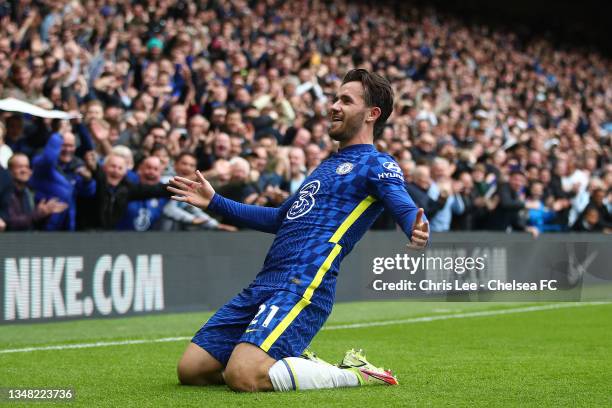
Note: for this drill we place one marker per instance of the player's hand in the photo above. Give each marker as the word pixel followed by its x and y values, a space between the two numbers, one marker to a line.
pixel 197 193
pixel 420 232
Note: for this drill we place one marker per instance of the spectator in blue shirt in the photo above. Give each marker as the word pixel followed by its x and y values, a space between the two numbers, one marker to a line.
pixel 57 173
pixel 144 215
pixel 541 216
pixel 5 192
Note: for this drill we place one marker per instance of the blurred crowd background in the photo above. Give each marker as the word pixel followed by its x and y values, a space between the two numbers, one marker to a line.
pixel 492 131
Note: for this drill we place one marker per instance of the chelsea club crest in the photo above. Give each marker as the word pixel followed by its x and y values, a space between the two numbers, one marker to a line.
pixel 344 168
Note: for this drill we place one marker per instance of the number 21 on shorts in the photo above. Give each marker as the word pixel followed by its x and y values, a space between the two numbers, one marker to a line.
pixel 269 317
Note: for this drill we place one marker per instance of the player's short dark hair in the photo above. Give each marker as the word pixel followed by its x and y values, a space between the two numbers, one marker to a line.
pixel 377 91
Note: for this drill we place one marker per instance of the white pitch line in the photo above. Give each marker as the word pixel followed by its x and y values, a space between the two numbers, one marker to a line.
pixel 91 345
pixel 494 312
pixel 421 319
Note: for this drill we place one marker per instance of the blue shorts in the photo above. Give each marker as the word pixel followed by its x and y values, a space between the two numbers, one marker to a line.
pixel 279 322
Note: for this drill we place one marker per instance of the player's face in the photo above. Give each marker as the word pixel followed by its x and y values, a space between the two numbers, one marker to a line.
pixel 348 113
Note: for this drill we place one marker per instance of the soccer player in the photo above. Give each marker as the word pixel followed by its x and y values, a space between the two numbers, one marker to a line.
pixel 253 343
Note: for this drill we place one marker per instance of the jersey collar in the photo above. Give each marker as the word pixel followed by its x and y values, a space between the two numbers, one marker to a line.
pixel 357 148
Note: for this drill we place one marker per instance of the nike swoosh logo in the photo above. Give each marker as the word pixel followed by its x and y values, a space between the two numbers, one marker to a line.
pixel 252 330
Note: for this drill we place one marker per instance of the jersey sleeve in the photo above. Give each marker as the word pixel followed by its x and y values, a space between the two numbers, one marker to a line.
pixel 386 183
pixel 265 219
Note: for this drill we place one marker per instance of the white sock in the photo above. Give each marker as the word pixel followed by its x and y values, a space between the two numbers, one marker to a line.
pixel 294 373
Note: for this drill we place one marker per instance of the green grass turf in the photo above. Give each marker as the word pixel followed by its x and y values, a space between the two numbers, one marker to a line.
pixel 553 358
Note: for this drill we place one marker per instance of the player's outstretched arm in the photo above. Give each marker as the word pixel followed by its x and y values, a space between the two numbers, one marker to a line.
pixel 201 194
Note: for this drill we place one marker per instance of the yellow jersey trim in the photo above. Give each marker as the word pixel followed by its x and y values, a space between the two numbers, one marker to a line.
pixel 303 302
pixel 316 281
pixel 352 217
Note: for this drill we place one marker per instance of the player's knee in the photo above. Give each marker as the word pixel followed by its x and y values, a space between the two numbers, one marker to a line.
pixel 240 383
pixel 243 379
pixel 189 373
pixel 247 369
pixel 186 373
pixel 197 367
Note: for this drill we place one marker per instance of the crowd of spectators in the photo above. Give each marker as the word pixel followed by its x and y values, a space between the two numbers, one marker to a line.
pixel 492 132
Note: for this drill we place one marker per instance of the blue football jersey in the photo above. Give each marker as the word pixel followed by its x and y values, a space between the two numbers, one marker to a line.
pixel 320 224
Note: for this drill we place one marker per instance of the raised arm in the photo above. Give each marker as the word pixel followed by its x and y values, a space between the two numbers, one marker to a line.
pixel 144 192
pixel 87 143
pixel 49 157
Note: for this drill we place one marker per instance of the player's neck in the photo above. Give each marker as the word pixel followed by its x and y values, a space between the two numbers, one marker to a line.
pixel 359 138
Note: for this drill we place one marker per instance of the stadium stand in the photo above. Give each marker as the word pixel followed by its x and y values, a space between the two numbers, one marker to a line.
pixel 492 131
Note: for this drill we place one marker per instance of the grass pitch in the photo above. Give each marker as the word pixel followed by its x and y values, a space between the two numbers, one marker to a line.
pixel 553 357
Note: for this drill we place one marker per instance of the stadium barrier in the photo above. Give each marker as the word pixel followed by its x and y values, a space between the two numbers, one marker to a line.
pixel 54 276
